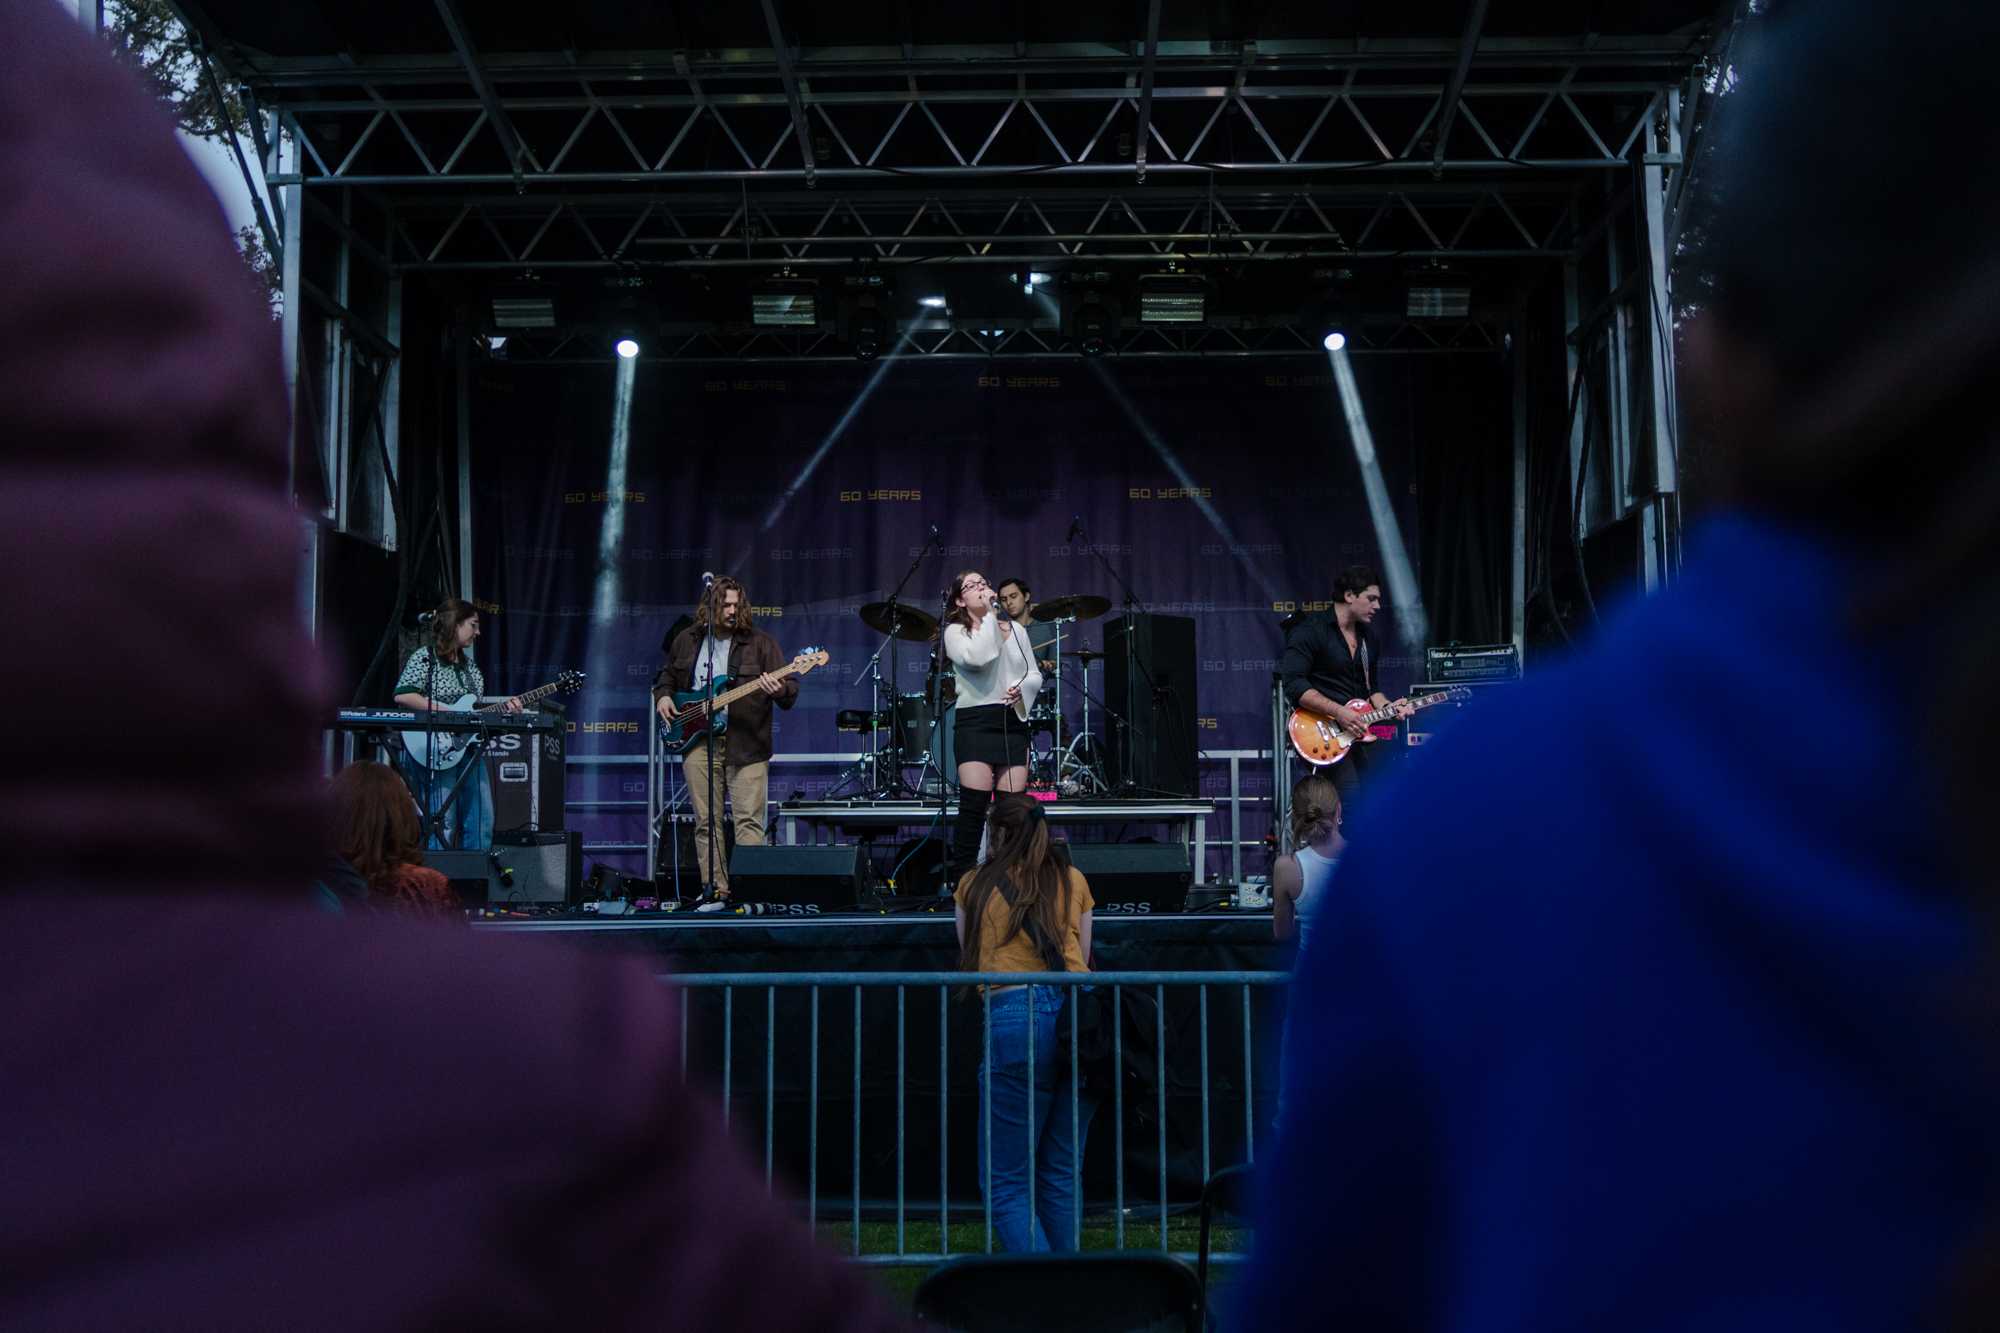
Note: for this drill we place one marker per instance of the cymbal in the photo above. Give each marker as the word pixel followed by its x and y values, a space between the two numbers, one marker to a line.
pixel 1079 606
pixel 909 623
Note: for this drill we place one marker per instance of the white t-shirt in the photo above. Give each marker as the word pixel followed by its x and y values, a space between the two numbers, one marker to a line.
pixel 986 664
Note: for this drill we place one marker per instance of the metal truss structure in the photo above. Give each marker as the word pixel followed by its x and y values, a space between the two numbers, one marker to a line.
pixel 785 155
pixel 1021 225
pixel 955 340
pixel 672 154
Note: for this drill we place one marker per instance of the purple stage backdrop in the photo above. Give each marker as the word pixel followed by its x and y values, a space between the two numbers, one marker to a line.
pixel 1226 491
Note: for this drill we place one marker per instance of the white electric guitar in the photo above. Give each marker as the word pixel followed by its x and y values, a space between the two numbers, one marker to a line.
pixel 452 737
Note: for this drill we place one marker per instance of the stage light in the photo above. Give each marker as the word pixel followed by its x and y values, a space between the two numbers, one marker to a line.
pixel 1430 301
pixel 1172 298
pixel 786 303
pixel 1334 341
pixel 1095 326
pixel 865 331
pixel 627 348
pixel 530 307
pixel 934 302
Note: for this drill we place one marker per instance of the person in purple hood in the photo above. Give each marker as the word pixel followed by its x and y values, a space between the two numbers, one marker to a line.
pixel 218 1107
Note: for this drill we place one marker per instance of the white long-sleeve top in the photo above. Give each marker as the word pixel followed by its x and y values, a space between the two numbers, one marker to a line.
pixel 986 664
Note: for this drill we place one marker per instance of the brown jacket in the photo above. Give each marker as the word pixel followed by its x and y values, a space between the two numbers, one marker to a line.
pixel 749 656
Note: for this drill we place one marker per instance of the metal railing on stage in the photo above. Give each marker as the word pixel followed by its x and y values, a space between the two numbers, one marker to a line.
pixel 901 1154
pixel 658 801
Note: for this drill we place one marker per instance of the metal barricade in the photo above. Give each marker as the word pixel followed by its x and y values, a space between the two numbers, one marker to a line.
pixel 1212 1024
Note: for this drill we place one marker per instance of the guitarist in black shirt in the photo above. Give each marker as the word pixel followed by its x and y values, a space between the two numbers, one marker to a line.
pixel 1331 658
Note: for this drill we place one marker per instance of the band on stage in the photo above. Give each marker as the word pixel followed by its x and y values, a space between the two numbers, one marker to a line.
pixel 995 717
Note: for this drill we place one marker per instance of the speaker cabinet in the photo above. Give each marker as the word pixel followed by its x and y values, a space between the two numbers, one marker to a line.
pixel 1135 877
pixel 1149 687
pixel 804 880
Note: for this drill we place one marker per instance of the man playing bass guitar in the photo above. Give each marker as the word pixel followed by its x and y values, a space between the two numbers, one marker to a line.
pixel 724 642
pixel 1331 658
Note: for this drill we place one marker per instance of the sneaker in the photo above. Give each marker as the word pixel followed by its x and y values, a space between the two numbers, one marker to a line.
pixel 713 902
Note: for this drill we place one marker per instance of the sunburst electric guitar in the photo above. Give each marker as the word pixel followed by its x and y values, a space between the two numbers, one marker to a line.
pixel 695 711
pixel 1320 741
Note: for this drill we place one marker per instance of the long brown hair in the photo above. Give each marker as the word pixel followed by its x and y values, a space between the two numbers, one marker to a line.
pixel 375 823
pixel 1023 867
pixel 953 613
pixel 1315 805
pixel 709 610
pixel 451 613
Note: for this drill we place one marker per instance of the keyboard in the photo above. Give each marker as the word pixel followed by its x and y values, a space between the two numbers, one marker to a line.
pixel 408 719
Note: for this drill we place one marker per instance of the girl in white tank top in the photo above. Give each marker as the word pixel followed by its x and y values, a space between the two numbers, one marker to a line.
pixel 1299 879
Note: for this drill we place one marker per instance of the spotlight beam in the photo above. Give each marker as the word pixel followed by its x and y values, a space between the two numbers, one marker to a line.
pixel 611 537
pixel 1411 621
pixel 833 435
pixel 1181 475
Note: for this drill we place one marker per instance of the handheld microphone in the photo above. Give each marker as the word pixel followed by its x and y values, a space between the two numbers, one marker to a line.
pixel 937 539
pixel 1075 526
pixel 427 617
pixel 501 869
pixel 707 580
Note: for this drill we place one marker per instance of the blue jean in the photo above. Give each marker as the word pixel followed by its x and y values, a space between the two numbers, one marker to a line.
pixel 1036 1156
pixel 469 822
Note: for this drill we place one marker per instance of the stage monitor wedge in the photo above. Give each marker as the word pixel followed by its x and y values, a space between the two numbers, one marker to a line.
pixel 1135 877
pixel 809 879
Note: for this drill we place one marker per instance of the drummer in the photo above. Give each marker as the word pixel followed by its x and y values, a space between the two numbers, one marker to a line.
pixel 1014 600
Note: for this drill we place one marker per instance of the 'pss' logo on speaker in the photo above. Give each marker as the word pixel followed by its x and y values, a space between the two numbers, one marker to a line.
pixel 1122 909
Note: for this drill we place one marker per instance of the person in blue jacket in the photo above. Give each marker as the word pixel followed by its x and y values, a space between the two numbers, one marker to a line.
pixel 1690 1022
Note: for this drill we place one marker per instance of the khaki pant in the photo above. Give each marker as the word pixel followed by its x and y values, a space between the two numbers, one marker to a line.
pixel 748 789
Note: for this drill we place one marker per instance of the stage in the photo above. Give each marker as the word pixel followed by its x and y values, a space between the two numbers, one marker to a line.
pixel 687 942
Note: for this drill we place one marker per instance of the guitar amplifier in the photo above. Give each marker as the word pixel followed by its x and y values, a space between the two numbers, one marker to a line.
pixel 1456 665
pixel 518 870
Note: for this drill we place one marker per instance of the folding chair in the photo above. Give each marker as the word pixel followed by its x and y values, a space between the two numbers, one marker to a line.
pixel 1226 1194
pixel 1104 1292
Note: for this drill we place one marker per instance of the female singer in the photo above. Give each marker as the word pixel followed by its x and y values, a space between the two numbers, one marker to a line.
pixel 997 684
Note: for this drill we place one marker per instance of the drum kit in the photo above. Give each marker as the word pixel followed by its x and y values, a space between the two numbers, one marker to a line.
pixel 915 729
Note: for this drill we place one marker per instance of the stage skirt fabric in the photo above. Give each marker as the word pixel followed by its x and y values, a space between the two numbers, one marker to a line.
pixel 990 734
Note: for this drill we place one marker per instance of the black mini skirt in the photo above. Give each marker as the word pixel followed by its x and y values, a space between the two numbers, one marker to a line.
pixel 990 734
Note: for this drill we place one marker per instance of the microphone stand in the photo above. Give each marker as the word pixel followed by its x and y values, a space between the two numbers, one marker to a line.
pixel 708 767
pixel 895 786
pixel 432 815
